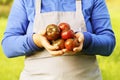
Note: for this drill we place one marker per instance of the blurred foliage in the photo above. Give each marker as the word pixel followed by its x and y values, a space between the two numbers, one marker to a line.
pixel 11 68
pixel 5 6
pixel 5 2
pixel 4 10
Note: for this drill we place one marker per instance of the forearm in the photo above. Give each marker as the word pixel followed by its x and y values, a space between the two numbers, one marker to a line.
pixel 18 45
pixel 101 39
pixel 99 44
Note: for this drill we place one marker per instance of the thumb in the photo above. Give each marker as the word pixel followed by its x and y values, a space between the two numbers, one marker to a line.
pixel 79 39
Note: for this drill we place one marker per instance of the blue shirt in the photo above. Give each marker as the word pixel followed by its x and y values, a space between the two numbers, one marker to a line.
pixel 99 38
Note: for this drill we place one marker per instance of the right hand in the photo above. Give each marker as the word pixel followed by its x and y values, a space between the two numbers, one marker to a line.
pixel 78 49
pixel 41 41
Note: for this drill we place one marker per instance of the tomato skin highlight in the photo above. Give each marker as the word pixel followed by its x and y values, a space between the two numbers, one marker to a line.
pixel 64 26
pixel 66 34
pixel 52 32
pixel 69 44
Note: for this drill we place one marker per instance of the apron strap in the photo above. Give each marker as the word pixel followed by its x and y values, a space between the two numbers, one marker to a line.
pixel 38 6
pixel 79 14
pixel 78 6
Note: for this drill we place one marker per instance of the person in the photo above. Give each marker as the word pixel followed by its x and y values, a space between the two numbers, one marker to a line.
pixel 25 36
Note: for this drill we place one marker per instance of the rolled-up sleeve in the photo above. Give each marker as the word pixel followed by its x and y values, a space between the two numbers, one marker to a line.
pixel 16 42
pixel 102 40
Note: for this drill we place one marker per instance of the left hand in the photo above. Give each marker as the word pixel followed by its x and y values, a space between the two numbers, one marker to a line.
pixel 80 38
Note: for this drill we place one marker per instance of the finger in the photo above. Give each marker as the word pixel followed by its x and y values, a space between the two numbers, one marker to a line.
pixel 47 44
pixel 67 52
pixel 76 49
pixel 77 35
pixel 79 39
pixel 80 36
pixel 64 50
pixel 50 47
pixel 56 53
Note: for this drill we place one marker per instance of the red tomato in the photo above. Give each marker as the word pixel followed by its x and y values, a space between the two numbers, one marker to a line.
pixel 52 32
pixel 69 44
pixel 66 34
pixel 64 26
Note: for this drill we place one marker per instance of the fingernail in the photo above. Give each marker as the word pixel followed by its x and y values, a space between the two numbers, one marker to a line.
pixel 64 50
pixel 74 49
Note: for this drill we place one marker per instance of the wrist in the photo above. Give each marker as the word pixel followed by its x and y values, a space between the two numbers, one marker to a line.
pixel 36 40
pixel 80 36
pixel 87 40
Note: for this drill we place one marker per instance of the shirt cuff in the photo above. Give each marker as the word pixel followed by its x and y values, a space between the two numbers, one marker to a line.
pixel 87 40
pixel 31 43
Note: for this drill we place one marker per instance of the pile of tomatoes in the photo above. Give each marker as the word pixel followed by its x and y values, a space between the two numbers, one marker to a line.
pixel 62 36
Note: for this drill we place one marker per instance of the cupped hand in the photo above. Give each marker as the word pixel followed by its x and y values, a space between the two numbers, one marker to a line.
pixel 41 41
pixel 52 49
pixel 80 38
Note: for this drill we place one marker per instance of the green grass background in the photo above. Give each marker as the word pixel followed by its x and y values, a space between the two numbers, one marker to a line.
pixel 10 68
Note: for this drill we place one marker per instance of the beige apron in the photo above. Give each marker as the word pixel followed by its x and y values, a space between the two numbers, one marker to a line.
pixel 43 66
